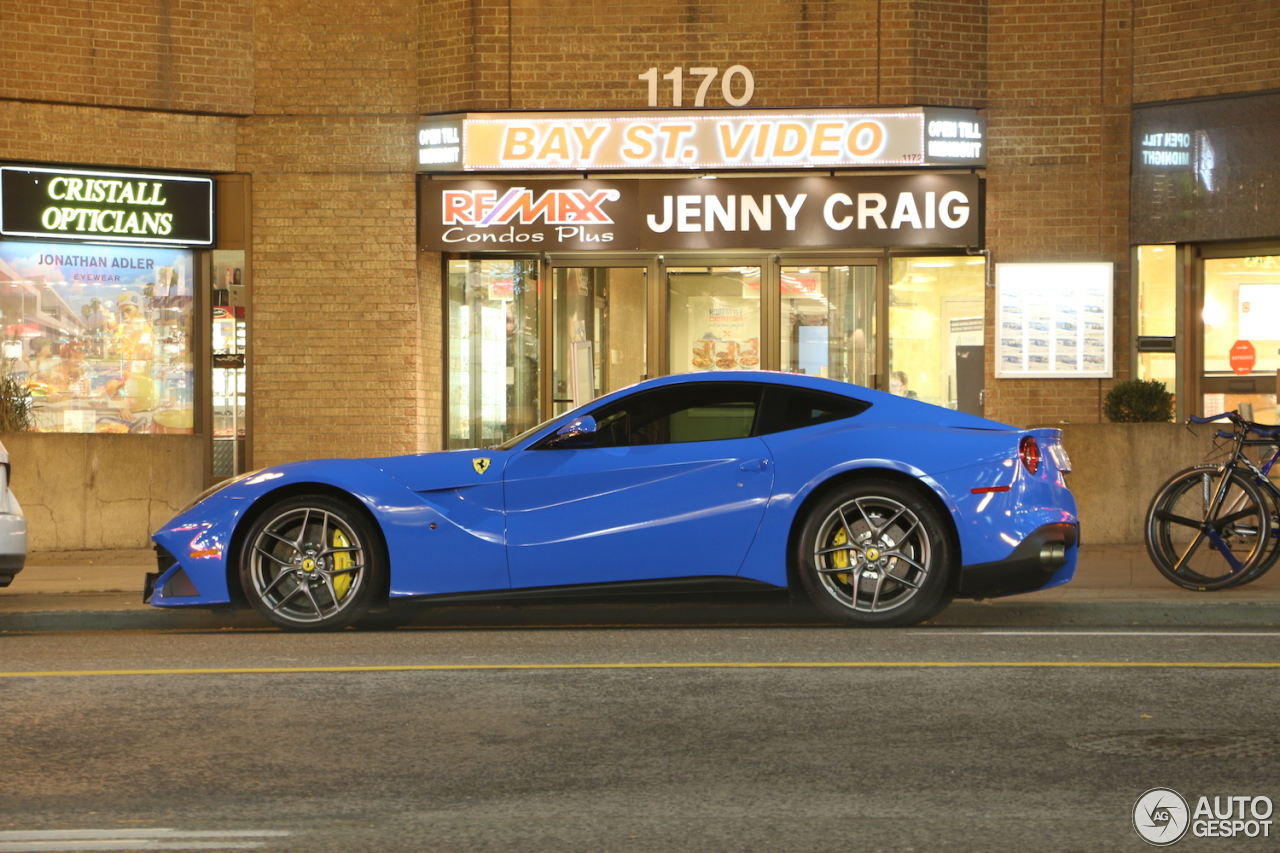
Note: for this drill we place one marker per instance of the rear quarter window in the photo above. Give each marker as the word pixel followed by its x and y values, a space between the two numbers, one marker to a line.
pixel 794 408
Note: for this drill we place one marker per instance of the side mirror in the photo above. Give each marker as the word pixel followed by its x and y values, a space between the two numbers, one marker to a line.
pixel 577 432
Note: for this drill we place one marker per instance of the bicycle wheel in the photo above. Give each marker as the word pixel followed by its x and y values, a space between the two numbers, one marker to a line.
pixel 1199 550
pixel 1273 554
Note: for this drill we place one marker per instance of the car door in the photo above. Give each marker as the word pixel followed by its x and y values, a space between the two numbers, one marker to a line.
pixel 672 484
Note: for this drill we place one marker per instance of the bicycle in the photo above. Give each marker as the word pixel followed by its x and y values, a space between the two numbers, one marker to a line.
pixel 1232 505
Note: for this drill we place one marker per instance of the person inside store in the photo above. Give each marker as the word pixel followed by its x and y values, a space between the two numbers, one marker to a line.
pixel 42 359
pixel 898 385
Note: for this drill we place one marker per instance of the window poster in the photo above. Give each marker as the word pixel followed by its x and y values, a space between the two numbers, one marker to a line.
pixel 726 333
pixel 101 335
pixel 1054 320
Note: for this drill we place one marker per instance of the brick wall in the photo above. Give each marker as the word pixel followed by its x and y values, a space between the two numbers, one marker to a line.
pixel 462 56
pixel 335 56
pixel 933 52
pixel 1199 48
pixel 1057 185
pixel 338 366
pixel 93 136
pixel 579 54
pixel 316 101
pixel 184 55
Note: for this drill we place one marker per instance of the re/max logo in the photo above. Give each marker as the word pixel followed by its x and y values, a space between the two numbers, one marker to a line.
pixel 482 208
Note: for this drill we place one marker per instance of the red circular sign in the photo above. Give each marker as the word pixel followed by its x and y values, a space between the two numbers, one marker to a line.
pixel 1243 357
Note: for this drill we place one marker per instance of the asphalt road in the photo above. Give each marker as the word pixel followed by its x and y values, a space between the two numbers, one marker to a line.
pixel 736 738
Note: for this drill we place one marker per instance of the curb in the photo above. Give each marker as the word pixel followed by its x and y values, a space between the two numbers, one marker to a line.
pixel 106 612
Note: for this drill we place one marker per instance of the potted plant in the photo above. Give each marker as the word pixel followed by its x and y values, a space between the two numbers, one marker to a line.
pixel 1138 401
pixel 17 409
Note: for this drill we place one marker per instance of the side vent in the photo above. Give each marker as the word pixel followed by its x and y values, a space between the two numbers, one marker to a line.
pixel 180 586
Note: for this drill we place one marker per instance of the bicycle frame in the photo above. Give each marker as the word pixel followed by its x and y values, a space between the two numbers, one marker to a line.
pixel 1270 436
pixel 1236 516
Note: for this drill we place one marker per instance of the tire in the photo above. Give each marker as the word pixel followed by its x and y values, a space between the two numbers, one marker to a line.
pixel 1180 537
pixel 1273 555
pixel 312 563
pixel 876 553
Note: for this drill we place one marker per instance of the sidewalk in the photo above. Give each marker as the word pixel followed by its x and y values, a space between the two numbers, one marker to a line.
pixel 1114 586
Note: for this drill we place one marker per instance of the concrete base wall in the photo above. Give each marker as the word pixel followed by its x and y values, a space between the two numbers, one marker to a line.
pixel 92 492
pixel 1119 467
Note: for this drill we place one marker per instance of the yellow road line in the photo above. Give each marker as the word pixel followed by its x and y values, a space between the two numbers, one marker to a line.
pixel 281 670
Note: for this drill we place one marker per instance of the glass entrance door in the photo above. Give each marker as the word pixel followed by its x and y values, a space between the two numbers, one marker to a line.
pixel 828 321
pixel 713 318
pixel 607 307
pixel 1241 337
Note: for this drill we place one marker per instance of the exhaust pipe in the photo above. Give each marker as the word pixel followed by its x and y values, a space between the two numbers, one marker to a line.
pixel 1053 555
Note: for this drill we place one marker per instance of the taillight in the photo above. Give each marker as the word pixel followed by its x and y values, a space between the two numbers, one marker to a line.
pixel 1029 453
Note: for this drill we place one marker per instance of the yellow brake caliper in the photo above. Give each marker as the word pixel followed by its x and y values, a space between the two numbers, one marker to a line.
pixel 840 558
pixel 342 560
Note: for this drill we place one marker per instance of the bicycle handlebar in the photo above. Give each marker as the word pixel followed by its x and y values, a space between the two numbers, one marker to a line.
pixel 1262 430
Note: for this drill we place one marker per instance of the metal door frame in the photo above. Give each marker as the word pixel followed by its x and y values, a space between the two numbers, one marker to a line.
pixel 879 310
pixel 1198 383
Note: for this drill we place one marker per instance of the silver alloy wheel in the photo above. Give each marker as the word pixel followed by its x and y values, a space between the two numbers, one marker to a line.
pixel 307 565
pixel 872 554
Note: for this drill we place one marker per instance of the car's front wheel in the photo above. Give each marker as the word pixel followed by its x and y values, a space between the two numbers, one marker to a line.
pixel 311 564
pixel 875 553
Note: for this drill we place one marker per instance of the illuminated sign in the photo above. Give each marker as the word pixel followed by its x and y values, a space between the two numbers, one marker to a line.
pixel 692 213
pixel 1166 150
pixel 122 207
pixel 701 140
pixel 1054 320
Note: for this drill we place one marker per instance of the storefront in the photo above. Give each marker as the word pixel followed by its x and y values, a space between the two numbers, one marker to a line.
pixel 106 283
pixel 614 247
pixel 1205 218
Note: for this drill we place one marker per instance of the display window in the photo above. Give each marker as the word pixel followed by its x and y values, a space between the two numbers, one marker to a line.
pixel 936 317
pixel 606 306
pixel 229 380
pixel 100 334
pixel 493 350
pixel 1157 311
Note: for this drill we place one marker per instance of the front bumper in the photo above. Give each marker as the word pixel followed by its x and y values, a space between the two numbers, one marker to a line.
pixel 1045 558
pixel 176 582
pixel 13 547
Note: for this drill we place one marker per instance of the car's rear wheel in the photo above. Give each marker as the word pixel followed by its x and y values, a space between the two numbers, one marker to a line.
pixel 311 563
pixel 875 553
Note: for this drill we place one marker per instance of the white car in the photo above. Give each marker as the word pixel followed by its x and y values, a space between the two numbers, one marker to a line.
pixel 13 527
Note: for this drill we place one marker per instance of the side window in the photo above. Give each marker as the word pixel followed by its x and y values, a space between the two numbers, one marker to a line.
pixel 711 411
pixel 792 408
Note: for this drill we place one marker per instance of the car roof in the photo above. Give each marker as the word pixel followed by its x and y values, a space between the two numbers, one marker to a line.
pixel 775 377
pixel 886 407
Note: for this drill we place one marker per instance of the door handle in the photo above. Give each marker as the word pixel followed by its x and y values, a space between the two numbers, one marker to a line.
pixel 755 465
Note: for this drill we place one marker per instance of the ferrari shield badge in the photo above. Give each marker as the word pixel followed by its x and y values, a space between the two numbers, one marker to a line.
pixel 481 464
